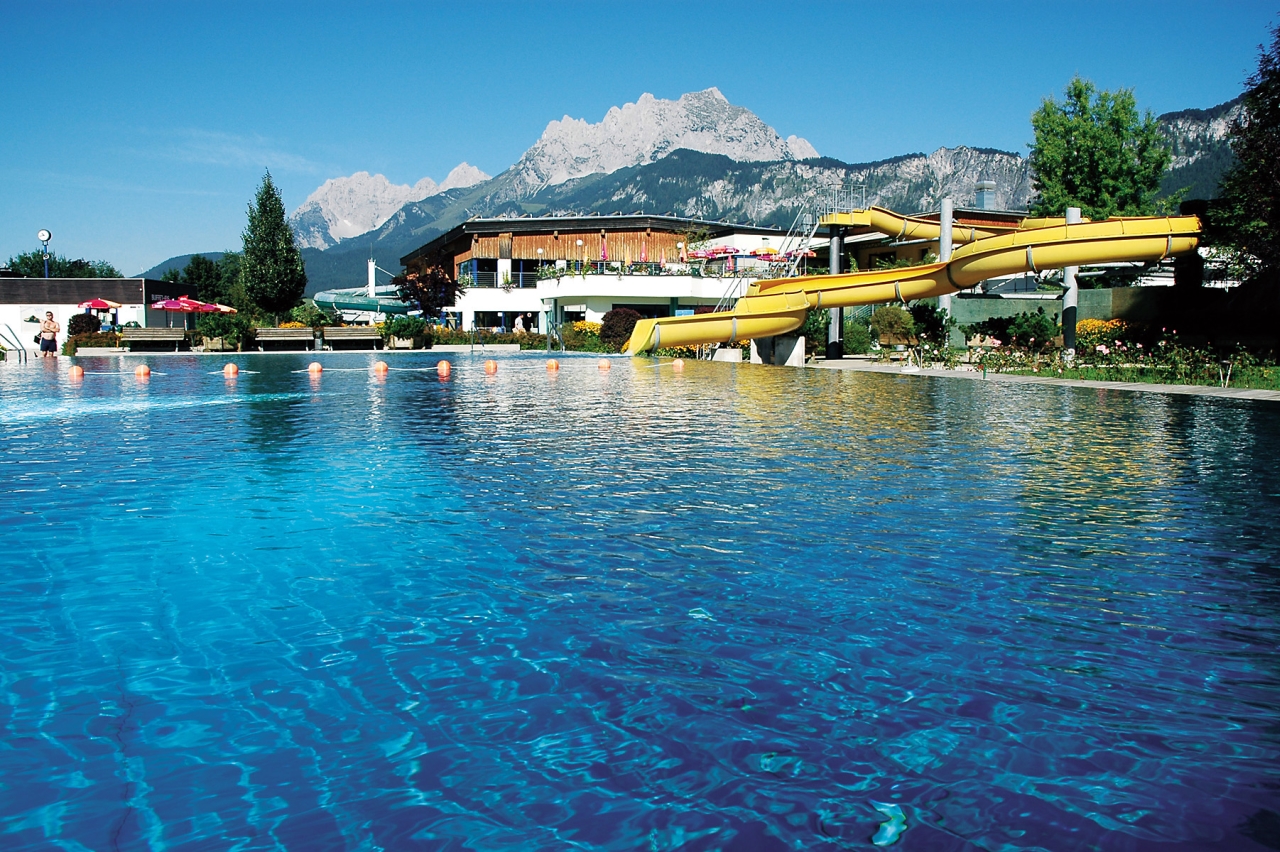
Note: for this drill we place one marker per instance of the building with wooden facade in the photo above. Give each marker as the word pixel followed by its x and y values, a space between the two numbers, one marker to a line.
pixel 580 267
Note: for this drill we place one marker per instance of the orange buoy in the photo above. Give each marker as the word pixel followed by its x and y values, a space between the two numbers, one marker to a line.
pixel 315 367
pixel 553 366
pixel 443 369
pixel 604 365
pixel 490 367
pixel 76 373
pixel 142 371
pixel 380 368
pixel 231 370
pixel 678 365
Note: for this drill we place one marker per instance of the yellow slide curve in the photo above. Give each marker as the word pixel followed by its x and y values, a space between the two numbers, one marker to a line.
pixel 778 306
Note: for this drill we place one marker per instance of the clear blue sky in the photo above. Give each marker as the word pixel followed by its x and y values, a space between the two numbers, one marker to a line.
pixel 137 131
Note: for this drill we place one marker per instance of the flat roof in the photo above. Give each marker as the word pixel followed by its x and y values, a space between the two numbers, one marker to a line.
pixel 572 224
pixel 72 291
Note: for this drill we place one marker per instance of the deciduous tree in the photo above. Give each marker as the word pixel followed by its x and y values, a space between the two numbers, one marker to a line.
pixel 271 267
pixel 1095 151
pixel 31 265
pixel 431 288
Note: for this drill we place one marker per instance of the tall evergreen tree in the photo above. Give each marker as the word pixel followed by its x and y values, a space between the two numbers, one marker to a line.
pixel 1246 217
pixel 1096 152
pixel 271 266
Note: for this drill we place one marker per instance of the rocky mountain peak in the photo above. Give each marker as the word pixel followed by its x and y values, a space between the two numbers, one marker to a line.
pixel 349 206
pixel 647 130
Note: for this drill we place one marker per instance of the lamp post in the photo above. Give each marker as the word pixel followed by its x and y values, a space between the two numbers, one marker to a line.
pixel 44 235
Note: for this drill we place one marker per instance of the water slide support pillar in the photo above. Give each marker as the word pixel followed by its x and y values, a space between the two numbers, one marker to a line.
pixel 373 269
pixel 946 218
pixel 1070 297
pixel 835 331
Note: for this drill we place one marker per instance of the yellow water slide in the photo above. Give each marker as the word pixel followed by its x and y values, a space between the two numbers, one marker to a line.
pixel 778 306
pixel 917 228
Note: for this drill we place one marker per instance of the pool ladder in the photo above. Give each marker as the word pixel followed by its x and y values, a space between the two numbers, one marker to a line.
pixel 11 340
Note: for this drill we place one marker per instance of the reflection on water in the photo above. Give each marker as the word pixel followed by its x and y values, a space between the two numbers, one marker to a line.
pixel 736 607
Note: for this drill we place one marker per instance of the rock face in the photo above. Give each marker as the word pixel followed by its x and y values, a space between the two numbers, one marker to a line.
pixel 687 183
pixel 1194 134
pixel 349 206
pixel 646 131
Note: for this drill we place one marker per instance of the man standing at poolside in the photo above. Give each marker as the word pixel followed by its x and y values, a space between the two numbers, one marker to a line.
pixel 49 335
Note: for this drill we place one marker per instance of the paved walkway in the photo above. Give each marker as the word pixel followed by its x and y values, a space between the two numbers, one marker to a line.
pixel 966 373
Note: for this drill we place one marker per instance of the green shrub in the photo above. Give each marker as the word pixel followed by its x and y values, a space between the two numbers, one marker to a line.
pixel 1033 331
pixel 309 314
pixel 94 339
pixel 931 323
pixel 579 340
pixel 83 324
pixel 616 327
pixel 1023 331
pixel 857 338
pixel 232 328
pixel 817 324
pixel 404 327
pixel 893 321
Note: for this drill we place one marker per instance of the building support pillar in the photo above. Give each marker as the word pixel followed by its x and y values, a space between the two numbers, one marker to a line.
pixel 946 220
pixel 1070 297
pixel 835 330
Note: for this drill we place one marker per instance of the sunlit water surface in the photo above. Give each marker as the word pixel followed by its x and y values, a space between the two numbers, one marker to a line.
pixel 739 608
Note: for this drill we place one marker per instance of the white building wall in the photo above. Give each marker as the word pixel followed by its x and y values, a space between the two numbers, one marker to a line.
pixel 13 321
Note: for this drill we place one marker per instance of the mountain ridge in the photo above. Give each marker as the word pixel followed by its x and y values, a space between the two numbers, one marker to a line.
pixel 705 184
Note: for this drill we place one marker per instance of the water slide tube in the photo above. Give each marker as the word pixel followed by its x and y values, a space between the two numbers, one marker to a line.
pixel 778 306
pixel 916 228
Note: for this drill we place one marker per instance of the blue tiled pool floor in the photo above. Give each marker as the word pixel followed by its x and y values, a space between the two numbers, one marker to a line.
pixel 739 608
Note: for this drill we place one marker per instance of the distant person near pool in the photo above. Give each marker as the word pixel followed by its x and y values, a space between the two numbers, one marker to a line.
pixel 519 323
pixel 49 335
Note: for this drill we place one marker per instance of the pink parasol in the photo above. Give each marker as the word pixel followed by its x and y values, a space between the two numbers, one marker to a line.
pixel 99 305
pixel 604 247
pixel 644 251
pixel 174 306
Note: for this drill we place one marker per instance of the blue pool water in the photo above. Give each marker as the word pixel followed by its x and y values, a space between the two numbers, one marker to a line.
pixel 738 608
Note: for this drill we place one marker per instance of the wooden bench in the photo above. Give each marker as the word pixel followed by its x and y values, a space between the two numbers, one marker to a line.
pixel 286 335
pixel 352 334
pixel 130 336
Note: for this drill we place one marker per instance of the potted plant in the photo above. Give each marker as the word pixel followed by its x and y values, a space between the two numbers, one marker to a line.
pixel 406 333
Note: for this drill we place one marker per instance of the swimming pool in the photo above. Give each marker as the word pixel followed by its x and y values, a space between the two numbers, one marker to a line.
pixel 733 608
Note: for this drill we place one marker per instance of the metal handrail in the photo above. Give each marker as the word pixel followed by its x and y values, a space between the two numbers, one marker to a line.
pixel 12 339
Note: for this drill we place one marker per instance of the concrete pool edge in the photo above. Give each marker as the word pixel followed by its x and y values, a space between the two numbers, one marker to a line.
pixel 1142 387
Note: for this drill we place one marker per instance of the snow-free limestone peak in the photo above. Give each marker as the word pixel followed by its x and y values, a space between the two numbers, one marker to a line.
pixel 349 206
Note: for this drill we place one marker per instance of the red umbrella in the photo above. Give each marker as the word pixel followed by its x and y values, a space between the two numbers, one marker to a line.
pixel 99 305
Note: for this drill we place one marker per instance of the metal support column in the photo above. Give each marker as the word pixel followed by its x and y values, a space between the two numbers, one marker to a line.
pixel 1070 297
pixel 835 331
pixel 946 218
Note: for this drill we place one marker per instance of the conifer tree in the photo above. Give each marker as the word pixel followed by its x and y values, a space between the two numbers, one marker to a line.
pixel 203 280
pixel 271 266
pixel 1095 151
pixel 1246 218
